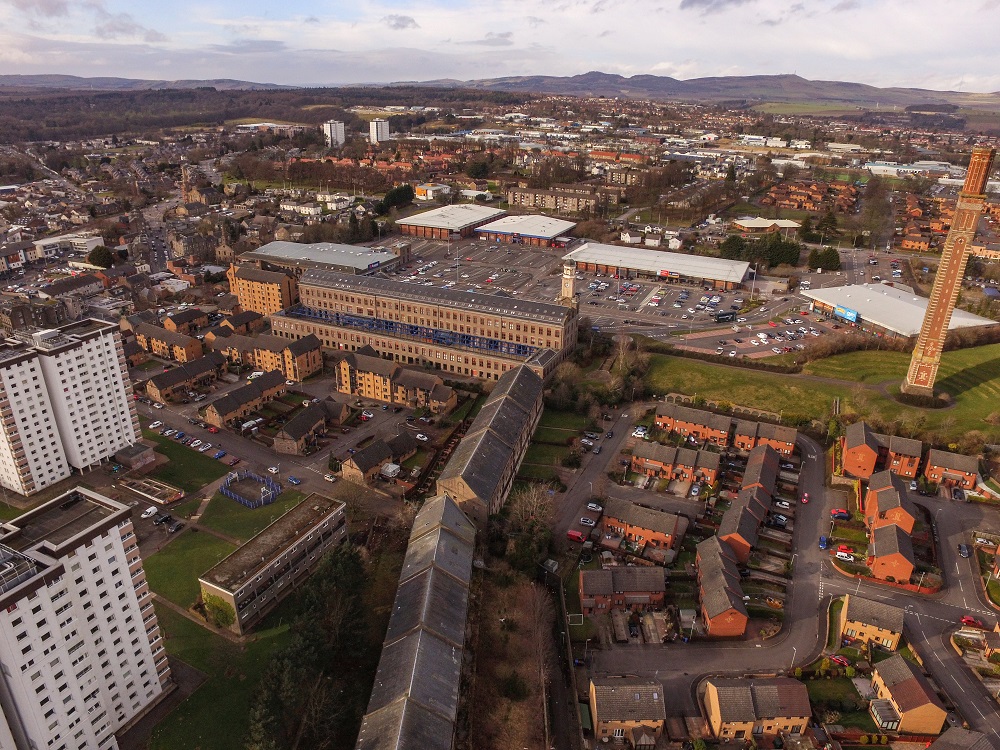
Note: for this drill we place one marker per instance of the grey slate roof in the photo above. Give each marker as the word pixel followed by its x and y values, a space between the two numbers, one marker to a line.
pixel 720 588
pixel 968 464
pixel 763 465
pixel 415 697
pixel 889 540
pixel 636 515
pixel 776 432
pixel 859 434
pixel 596 583
pixel 749 700
pixel 696 416
pixel 371 456
pixel 875 613
pixel 906 683
pixel 196 368
pixel 304 422
pixel 245 394
pixel 956 738
pixel 629 699
pixel 172 338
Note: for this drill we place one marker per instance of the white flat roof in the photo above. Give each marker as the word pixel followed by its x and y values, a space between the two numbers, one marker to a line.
pixel 543 227
pixel 758 222
pixel 453 218
pixel 661 262
pixel 334 253
pixel 890 307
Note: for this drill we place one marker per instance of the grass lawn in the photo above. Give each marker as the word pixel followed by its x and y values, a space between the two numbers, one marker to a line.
pixel 752 388
pixel 831 692
pixel 539 453
pixel 993 589
pixel 189 470
pixel 544 473
pixel 859 719
pixel 566 420
pixel 553 435
pixel 852 536
pixel 173 571
pixel 417 460
pixel 216 715
pixel 186 508
pixel 462 411
pixel 835 608
pixel 230 517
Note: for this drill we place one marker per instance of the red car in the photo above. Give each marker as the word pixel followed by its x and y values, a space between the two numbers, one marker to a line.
pixel 839 512
pixel 772 324
pixel 972 622
pixel 845 548
pixel 213 430
pixel 805 497
pixel 841 660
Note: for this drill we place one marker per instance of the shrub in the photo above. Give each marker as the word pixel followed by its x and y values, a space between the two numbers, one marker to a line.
pixel 514 687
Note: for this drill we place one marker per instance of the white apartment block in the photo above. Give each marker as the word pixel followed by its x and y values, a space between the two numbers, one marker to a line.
pixel 333 132
pixel 81 242
pixel 65 403
pixel 81 654
pixel 378 130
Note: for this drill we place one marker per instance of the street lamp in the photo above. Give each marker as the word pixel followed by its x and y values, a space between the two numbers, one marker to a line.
pixel 794 650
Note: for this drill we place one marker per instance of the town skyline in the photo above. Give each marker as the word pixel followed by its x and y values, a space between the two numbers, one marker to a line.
pixel 324 43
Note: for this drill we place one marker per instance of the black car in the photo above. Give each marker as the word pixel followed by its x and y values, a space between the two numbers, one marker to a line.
pixel 964 550
pixel 610 434
pixel 162 518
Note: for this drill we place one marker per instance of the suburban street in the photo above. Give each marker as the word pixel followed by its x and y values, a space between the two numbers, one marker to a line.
pixel 929 620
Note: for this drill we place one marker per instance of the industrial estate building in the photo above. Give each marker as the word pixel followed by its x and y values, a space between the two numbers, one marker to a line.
pixel 467 333
pixel 441 223
pixel 81 648
pixel 297 257
pixel 254 578
pixel 883 309
pixel 669 267
pixel 66 403
pixel 538 231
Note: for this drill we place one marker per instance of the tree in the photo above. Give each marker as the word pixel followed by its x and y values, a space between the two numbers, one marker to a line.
pixel 529 506
pixel 101 256
pixel 220 611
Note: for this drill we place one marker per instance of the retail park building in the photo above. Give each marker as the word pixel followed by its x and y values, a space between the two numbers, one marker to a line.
pixel 717 273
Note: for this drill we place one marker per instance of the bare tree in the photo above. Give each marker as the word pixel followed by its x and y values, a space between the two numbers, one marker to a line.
pixel 531 505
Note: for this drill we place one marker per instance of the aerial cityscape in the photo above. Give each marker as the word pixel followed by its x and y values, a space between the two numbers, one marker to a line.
pixel 476 377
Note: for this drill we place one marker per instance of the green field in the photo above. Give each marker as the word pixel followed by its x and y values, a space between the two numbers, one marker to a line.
pixel 868 380
pixel 173 571
pixel 188 469
pixel 539 453
pixel 553 435
pixel 566 420
pixel 752 388
pixel 215 716
pixel 807 108
pixel 233 519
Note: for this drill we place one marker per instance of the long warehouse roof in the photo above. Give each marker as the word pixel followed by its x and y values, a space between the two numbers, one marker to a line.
pixel 542 312
pixel 543 227
pixel 331 253
pixel 890 307
pixel 452 218
pixel 661 262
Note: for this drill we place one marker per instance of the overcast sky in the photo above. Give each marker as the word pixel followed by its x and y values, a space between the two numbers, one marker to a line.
pixel 922 43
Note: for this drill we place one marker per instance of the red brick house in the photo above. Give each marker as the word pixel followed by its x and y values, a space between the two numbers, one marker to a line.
pixel 719 591
pixel 951 469
pixel 740 525
pixel 890 554
pixel 621 588
pixel 886 502
pixel 645 526
pixel 779 437
pixel 668 462
pixel 763 465
pixel 702 425
pixel 864 452
pixel 744 434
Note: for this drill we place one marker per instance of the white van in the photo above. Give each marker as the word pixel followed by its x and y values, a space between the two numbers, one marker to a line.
pixel 846 556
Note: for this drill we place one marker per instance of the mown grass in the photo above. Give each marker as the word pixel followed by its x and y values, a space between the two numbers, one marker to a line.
pixel 539 453
pixel 236 520
pixel 566 420
pixel 187 469
pixel 173 571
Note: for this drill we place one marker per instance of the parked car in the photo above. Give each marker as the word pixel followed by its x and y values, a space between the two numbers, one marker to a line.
pixel 824 542
pixel 696 490
pixel 783 504
pixel 176 526
pixel 157 405
pixel 149 512
pixel 586 442
pixel 213 430
pixel 330 477
pixel 805 497
pixel 156 425
pixel 844 548
pixel 841 516
pixel 839 512
pixel 610 434
pixel 958 495
pixel 595 507
pixel 218 454
pixel 964 550
pixel 162 518
pixel 272 469
pixel 234 460
pixel 972 621
pixel 841 660
pixel 588 521
pixel 845 557
pixel 367 414
pixel 294 480
pixel 780 518
pixel 913 485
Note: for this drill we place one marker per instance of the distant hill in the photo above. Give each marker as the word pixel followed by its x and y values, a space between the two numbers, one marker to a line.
pixel 752 89
pixel 56 81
